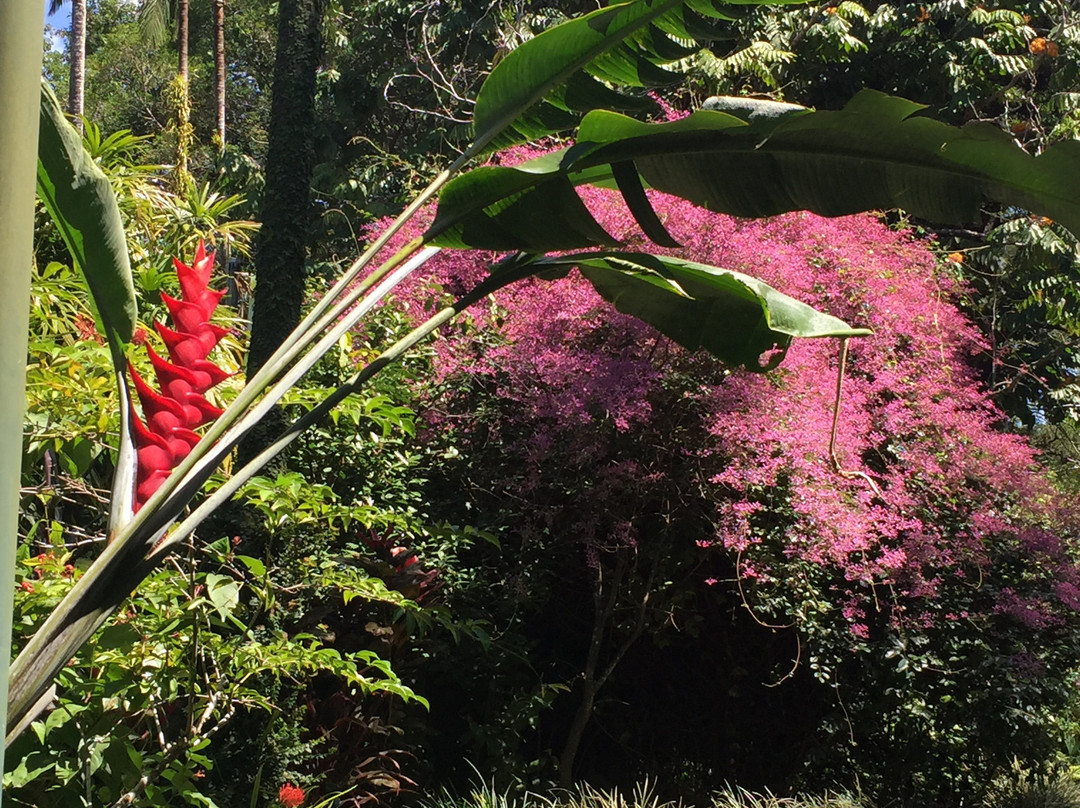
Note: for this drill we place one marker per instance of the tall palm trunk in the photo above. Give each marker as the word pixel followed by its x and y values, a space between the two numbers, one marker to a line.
pixel 219 70
pixel 76 58
pixel 77 54
pixel 182 39
pixel 154 20
pixel 286 209
pixel 184 134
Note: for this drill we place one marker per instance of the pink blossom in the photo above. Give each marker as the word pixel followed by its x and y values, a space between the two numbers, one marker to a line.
pixel 951 491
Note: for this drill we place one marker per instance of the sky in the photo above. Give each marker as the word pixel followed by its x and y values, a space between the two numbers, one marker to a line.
pixel 61 21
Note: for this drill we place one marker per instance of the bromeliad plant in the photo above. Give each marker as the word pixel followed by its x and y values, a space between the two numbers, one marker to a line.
pixel 749 158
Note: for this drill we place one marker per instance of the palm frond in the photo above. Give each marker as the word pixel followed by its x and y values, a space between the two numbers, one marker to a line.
pixel 154 21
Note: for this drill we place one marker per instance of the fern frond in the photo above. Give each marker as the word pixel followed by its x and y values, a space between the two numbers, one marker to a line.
pixel 850 10
pixel 756 59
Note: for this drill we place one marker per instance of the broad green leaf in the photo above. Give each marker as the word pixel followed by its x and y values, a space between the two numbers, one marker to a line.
pixel 761 159
pixel 30 768
pixel 224 593
pixel 487 206
pixel 80 201
pixel 118 635
pixel 508 223
pixel 733 316
pixel 58 718
pixel 254 565
pixel 878 152
pixel 536 89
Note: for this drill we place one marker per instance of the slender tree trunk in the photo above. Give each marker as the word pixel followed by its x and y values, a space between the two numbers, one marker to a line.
pixel 182 39
pixel 286 210
pixel 582 716
pixel 219 70
pixel 184 133
pixel 77 54
pixel 606 595
pixel 603 609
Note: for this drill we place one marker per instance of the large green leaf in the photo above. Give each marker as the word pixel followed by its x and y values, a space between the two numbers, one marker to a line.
pixel 571 68
pixel 733 316
pixel 81 202
pixel 761 159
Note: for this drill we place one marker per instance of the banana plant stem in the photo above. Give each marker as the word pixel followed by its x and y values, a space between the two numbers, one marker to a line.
pixel 21 26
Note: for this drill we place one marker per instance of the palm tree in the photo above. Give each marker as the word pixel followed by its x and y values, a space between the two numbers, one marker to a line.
pixel 219 70
pixel 154 16
pixel 182 39
pixel 77 56
pixel 155 19
pixel 282 243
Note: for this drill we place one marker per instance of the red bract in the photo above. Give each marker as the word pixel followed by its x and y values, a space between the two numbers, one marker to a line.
pixel 178 407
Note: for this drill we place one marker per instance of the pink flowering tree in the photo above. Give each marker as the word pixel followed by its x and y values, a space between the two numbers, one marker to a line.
pixel 909 544
pixel 748 158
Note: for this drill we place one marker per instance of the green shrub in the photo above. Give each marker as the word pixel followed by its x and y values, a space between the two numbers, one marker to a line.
pixel 1035 793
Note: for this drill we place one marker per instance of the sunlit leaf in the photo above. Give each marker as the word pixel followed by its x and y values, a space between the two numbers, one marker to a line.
pixel 760 159
pixel 81 202
pixel 733 316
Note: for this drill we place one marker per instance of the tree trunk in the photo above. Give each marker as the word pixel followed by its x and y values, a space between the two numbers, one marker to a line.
pixel 182 39
pixel 184 132
pixel 281 247
pixel 582 716
pixel 606 594
pixel 219 71
pixel 77 54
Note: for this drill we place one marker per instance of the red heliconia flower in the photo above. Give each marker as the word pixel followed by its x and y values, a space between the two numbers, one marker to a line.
pixel 291 796
pixel 180 378
pixel 195 279
pixel 161 412
pixel 178 406
pixel 190 345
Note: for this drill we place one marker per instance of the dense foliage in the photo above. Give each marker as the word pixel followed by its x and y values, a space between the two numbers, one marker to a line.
pixel 397 80
pixel 1014 64
pixel 225 639
pixel 593 554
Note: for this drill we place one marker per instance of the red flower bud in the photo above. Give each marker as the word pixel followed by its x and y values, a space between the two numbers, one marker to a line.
pixel 195 279
pixel 198 411
pixel 190 316
pixel 190 344
pixel 152 449
pixel 176 381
